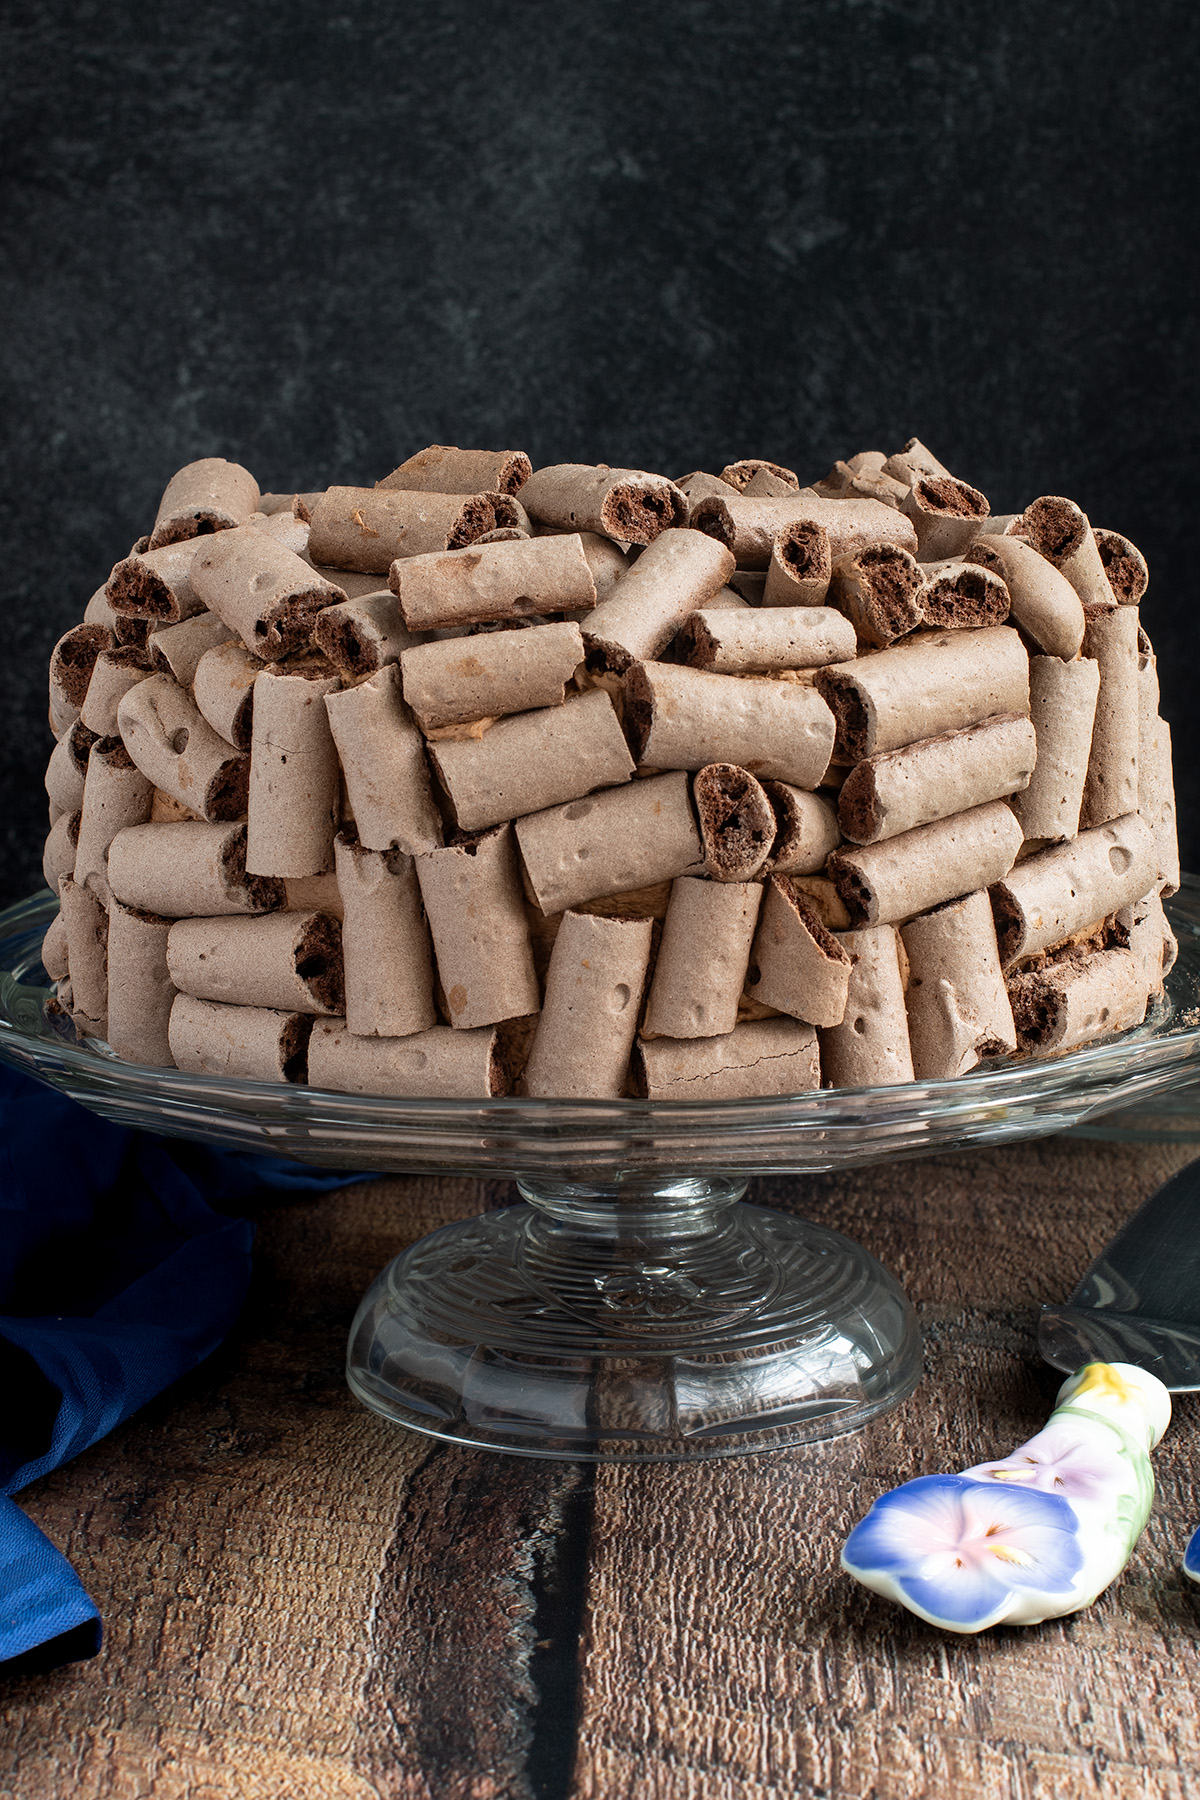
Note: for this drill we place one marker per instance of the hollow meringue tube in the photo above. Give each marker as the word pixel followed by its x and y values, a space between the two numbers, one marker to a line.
pixel 900 789
pixel 445 469
pixel 368 528
pixel 681 718
pixel 737 822
pixel 293 802
pixel 1062 533
pixel 247 1043
pixel 1150 939
pixel 262 590
pixel 797 966
pixel 115 794
pixel 867 483
pixel 488 582
pixel 1060 891
pixel 188 869
pixel 739 475
pixel 114 673
pixel 1041 601
pixel 1111 787
pixel 71 663
pixel 878 588
pixel 205 496
pixel 913 463
pixel 67 768
pixel 85 920
pixel 762 1056
pixel 947 515
pixel 806 830
pixel 156 585
pixel 958 1008
pixel 54 949
pixel 680 571
pixel 440 1064
pixel 931 684
pixel 58 857
pixel 383 765
pixel 180 753
pixel 354 584
pixel 699 485
pixel 476 912
pixel 140 989
pixel 801 565
pixel 1156 800
pixel 627 504
pixel 702 959
pixel 362 636
pixel 753 642
pixel 958 594
pixel 589 1016
pixel 176 649
pixel 893 880
pixel 99 612
pixel 385 944
pixel 762 482
pixel 534 760
pixel 490 675
pixel 1062 706
pixel 314 893
pixel 290 962
pixel 223 689
pixel 870 1047
pixel 607 561
pixel 1070 1003
pixel 610 843
pixel 749 526
pixel 1123 564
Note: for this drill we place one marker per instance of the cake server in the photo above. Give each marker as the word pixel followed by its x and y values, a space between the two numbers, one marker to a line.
pixel 1044 1531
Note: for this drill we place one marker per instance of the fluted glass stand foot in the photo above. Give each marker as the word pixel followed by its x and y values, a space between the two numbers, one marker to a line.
pixel 634 1321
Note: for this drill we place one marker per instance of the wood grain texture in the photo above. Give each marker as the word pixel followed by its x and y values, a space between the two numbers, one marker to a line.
pixel 303 1603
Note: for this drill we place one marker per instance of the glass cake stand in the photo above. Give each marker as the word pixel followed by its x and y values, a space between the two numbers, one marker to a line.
pixel 630 1307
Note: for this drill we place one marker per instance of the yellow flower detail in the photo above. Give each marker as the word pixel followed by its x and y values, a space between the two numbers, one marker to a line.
pixel 1103 1380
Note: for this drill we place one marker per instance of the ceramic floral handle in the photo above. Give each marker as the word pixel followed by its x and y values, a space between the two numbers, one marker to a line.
pixel 1041 1533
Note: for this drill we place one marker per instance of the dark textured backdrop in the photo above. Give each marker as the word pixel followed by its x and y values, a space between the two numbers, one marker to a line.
pixel 314 239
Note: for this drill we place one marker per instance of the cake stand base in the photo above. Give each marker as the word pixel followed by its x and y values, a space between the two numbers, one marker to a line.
pixel 636 1321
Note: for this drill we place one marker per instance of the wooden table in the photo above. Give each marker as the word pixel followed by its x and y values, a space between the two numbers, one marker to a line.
pixel 303 1602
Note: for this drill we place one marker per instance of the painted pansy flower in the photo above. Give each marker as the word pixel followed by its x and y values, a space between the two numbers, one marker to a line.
pixel 964 1553
pixel 1064 1458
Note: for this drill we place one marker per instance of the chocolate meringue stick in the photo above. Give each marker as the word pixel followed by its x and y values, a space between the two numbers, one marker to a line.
pixel 71 663
pixel 385 943
pixel 737 822
pixel 180 753
pixel 362 636
pixel 763 1056
pixel 879 590
pixel 614 842
pixel 702 958
pixel 156 585
pixel 223 689
pixel 262 590
pixel 67 768
pixel 293 801
pixel 958 593
pixel 958 1009
pixel 490 675
pixel 1060 891
pixel 627 504
pixel 913 462
pixel 114 673
pixel 806 830
pixel 887 882
pixel 85 921
pixel 762 641
pixel 368 528
pixel 54 949
pixel 1070 1003
pixel 930 684
pixel 476 911
pixel 290 962
pixel 681 718
pixel 1111 787
pixel 445 469
pixel 58 857
pixel 899 789
pixel 593 995
pixel 248 1043
pixel 870 1047
pixel 1060 531
pixel 947 515
pixel 115 794
pixel 534 760
pixel 176 649
pixel 209 495
pixel 439 1064
pixel 680 571
pixel 607 561
pixel 488 582
pixel 796 965
pixel 1062 706
pixel 739 475
pixel 383 765
pixel 749 527
pixel 801 565
pixel 189 869
pixel 140 989
pixel 1156 787
pixel 1124 565
pixel 1041 601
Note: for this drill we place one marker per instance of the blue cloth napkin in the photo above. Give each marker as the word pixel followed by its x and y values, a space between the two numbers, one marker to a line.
pixel 122 1265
